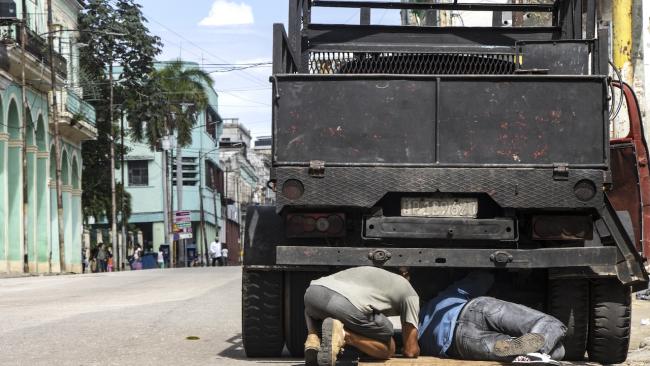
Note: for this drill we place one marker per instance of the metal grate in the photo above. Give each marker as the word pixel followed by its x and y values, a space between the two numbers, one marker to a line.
pixel 411 63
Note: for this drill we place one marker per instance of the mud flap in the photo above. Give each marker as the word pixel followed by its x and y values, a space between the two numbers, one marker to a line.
pixel 264 231
pixel 629 267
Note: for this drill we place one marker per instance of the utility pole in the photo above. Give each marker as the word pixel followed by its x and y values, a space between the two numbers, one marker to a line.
pixel 622 42
pixel 124 219
pixel 179 199
pixel 163 155
pixel 23 60
pixel 205 239
pixel 57 142
pixel 112 152
pixel 170 182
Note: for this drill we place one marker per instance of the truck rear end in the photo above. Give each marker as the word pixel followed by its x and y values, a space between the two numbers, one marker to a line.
pixel 447 149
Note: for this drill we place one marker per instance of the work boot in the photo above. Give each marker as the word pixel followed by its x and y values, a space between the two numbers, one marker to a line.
pixel 332 342
pixel 312 346
pixel 527 343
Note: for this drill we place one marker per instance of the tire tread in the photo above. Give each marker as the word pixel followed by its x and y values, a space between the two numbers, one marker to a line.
pixel 568 301
pixel 262 314
pixel 609 335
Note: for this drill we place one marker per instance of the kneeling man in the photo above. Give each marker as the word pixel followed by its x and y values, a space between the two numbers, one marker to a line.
pixel 461 323
pixel 351 308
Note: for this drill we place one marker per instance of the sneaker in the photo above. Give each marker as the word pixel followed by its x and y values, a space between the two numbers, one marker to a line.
pixel 332 342
pixel 312 346
pixel 535 359
pixel 527 343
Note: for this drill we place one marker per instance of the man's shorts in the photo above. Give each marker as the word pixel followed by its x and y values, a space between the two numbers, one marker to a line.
pixel 321 303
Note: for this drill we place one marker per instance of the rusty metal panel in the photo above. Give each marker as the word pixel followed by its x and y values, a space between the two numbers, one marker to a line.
pixel 558 57
pixel 446 120
pixel 353 120
pixel 522 122
pixel 624 195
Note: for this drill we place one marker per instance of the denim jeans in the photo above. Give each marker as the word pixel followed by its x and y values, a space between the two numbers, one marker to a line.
pixel 485 320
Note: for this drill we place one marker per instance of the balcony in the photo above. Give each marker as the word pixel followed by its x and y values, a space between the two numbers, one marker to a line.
pixel 37 46
pixel 77 118
pixel 37 58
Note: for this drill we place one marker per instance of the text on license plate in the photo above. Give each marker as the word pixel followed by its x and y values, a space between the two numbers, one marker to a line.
pixel 439 207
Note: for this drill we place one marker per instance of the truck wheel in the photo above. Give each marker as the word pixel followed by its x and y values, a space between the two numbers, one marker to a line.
pixel 609 330
pixel 568 301
pixel 295 329
pixel 262 313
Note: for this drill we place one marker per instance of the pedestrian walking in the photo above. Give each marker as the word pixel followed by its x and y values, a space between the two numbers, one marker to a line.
pixel 101 258
pixel 224 256
pixel 461 323
pixel 84 261
pixel 215 252
pixel 161 258
pixel 109 260
pixel 137 258
pixel 351 308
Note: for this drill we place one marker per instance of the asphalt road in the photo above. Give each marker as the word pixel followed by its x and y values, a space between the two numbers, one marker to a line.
pixel 128 318
pixel 145 318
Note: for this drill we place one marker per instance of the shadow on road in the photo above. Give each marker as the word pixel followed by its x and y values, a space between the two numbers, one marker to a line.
pixel 235 351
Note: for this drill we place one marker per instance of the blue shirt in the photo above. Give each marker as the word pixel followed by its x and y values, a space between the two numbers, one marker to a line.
pixel 439 315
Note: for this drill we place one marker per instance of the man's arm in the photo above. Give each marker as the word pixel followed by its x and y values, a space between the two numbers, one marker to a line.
pixel 410 336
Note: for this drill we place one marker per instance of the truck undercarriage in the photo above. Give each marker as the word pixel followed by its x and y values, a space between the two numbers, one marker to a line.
pixel 447 149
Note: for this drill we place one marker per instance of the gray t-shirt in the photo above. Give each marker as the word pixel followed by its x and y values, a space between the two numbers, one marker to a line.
pixel 374 289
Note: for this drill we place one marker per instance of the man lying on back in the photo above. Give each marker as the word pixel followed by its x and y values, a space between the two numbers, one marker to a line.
pixel 462 323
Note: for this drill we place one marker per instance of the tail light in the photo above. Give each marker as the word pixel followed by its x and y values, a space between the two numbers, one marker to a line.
pixel 315 225
pixel 562 227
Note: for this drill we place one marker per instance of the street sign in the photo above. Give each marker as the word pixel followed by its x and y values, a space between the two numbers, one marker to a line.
pixel 182 226
pixel 182 216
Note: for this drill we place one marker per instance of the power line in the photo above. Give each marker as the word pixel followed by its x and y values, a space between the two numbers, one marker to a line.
pixel 243 72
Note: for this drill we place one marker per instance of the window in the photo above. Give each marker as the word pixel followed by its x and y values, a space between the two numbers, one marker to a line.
pixel 212 119
pixel 138 173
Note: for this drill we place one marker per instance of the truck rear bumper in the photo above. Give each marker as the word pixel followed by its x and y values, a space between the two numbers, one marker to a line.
pixel 605 258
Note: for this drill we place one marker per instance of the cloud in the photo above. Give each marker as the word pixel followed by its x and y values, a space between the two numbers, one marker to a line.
pixel 225 12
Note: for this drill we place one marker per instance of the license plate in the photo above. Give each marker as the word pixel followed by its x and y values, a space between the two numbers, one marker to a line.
pixel 439 207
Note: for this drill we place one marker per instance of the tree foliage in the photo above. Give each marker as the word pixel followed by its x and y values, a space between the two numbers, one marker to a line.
pixel 119 41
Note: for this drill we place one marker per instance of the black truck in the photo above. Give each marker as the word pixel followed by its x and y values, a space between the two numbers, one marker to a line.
pixel 447 149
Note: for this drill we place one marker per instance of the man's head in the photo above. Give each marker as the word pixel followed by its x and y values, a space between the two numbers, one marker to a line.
pixel 404 272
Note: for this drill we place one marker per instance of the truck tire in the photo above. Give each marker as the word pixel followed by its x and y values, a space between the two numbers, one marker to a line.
pixel 609 330
pixel 295 329
pixel 262 313
pixel 568 301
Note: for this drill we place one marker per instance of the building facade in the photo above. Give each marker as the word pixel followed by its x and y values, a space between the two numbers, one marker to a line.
pixel 202 183
pixel 28 197
pixel 263 160
pixel 242 182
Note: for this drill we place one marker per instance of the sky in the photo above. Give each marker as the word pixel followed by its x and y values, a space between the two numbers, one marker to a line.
pixel 212 32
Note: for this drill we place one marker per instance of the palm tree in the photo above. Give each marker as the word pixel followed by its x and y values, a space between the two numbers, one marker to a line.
pixel 177 92
pixel 183 89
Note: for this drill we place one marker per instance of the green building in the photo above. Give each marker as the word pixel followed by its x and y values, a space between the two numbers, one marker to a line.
pixel 29 231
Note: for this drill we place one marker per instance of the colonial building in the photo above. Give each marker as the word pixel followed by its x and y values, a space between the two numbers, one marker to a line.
pixel 28 223
pixel 241 180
